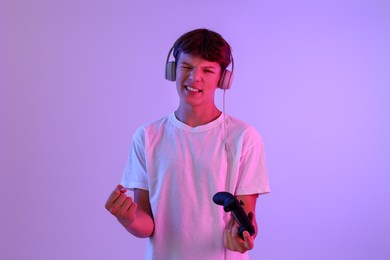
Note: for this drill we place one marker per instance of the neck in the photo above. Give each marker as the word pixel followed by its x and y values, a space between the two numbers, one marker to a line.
pixel 197 116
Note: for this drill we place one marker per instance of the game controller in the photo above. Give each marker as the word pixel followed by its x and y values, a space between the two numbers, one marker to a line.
pixel 231 203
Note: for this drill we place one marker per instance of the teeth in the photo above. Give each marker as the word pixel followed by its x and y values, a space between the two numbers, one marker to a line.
pixel 192 89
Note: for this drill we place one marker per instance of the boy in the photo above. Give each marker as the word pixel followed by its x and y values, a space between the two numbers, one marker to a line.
pixel 176 164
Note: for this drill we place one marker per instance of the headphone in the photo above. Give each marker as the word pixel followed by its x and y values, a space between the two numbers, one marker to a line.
pixel 225 82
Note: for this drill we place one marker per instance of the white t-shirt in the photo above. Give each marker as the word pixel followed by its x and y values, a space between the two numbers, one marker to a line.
pixel 182 167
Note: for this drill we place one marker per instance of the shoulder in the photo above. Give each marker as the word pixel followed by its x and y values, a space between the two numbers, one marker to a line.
pixel 152 127
pixel 239 127
pixel 242 135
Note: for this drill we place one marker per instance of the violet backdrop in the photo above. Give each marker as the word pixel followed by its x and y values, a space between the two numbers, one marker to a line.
pixel 78 77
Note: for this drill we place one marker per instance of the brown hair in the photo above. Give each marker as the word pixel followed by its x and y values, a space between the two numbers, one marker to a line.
pixel 205 43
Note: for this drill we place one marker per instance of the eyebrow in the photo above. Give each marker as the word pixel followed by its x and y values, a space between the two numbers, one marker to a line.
pixel 205 67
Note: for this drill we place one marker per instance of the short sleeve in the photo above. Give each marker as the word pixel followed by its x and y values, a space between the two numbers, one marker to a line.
pixel 253 176
pixel 135 172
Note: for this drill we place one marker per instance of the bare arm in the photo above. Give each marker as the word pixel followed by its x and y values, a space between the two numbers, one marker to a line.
pixel 232 239
pixel 136 216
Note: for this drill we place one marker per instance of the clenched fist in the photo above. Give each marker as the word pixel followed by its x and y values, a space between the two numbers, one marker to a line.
pixel 121 206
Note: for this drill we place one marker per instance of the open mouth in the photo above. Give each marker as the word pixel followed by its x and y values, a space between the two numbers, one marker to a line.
pixel 189 88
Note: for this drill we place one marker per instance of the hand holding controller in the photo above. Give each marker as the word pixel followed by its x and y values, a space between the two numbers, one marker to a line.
pixel 231 203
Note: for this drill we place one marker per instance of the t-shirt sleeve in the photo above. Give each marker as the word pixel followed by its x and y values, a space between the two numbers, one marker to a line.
pixel 135 172
pixel 253 176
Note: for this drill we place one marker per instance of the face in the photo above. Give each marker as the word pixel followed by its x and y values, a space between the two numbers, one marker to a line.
pixel 196 80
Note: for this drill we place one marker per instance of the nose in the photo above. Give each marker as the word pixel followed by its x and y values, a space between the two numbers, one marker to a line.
pixel 194 75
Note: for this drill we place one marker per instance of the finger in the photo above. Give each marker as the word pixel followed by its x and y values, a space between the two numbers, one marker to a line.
pixel 236 233
pixel 229 244
pixel 113 197
pixel 131 211
pixel 120 200
pixel 248 240
pixel 238 241
pixel 225 239
pixel 235 239
pixel 116 207
pixel 246 235
pixel 127 203
pixel 251 216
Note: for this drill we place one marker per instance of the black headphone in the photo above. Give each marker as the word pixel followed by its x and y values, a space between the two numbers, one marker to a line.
pixel 225 82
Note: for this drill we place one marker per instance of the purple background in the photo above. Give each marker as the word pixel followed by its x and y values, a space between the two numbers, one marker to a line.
pixel 78 77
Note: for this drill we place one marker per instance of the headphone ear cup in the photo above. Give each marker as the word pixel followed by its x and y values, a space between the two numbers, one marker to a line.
pixel 225 82
pixel 170 71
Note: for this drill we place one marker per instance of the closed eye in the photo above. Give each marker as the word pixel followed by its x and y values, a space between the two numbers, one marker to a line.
pixel 185 67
